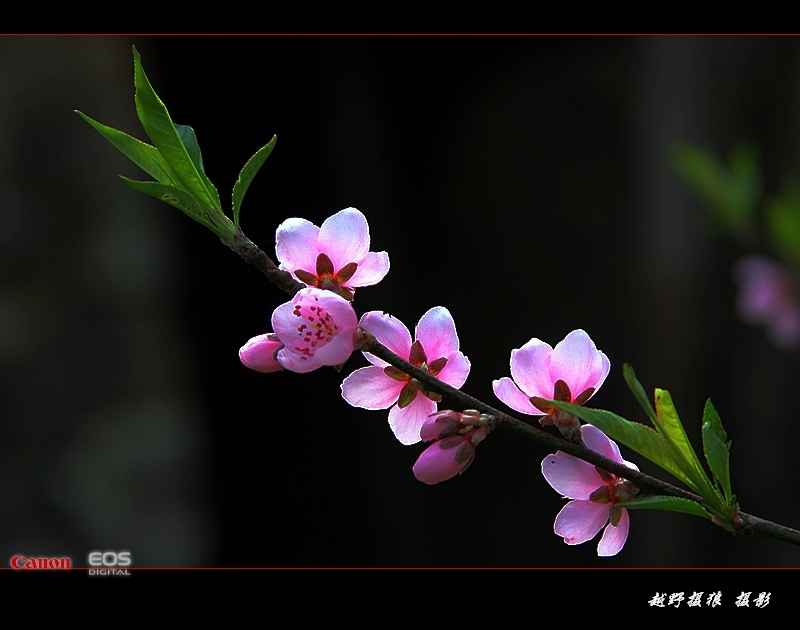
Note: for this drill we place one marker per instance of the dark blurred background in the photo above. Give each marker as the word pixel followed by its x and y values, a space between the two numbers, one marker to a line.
pixel 522 182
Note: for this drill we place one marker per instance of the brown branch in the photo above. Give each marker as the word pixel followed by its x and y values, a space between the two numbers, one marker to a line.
pixel 251 253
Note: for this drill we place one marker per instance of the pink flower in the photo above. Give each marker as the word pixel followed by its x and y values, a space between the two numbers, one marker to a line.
pixel 260 353
pixel 381 385
pixel 335 256
pixel 768 295
pixel 316 328
pixel 455 436
pixel 594 493
pixel 571 372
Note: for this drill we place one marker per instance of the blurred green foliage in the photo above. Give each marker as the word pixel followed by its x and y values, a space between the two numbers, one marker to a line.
pixel 737 203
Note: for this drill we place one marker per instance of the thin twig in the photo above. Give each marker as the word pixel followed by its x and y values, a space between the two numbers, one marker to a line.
pixel 250 253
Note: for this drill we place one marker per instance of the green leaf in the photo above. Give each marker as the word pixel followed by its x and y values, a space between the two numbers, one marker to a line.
pixel 671 428
pixel 670 504
pixel 638 392
pixel 184 201
pixel 189 140
pixel 717 449
pixel 144 155
pixel 246 176
pixel 162 132
pixel 634 435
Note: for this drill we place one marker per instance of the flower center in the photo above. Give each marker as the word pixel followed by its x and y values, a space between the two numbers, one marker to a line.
pixel 418 358
pixel 317 328
pixel 565 422
pixel 614 489
pixel 326 277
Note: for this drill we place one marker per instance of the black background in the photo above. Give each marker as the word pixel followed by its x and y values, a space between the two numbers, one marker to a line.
pixel 523 183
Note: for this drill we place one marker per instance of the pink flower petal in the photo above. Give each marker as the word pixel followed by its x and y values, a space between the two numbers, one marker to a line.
pixel 371 270
pixel 600 443
pixel 406 423
pixel 456 371
pixel 579 521
pixel 390 331
pixel 570 476
pixel 530 368
pixel 436 331
pixel 259 354
pixel 370 388
pixel 340 309
pixel 508 392
pixel 296 245
pixel 578 362
pixel 614 538
pixel 282 316
pixel 337 350
pixel 296 362
pixel 625 462
pixel 344 237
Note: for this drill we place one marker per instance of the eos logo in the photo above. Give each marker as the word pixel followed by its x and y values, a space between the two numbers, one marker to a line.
pixel 111 560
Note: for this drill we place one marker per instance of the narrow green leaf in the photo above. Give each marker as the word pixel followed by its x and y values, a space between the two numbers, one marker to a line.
pixel 144 155
pixel 162 132
pixel 183 201
pixel 635 436
pixel 189 140
pixel 246 176
pixel 711 416
pixel 670 504
pixel 638 392
pixel 671 428
pixel 173 196
pixel 717 449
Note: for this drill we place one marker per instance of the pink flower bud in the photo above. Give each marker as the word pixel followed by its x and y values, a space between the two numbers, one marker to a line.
pixel 450 456
pixel 440 425
pixel 448 422
pixel 260 352
pixel 444 459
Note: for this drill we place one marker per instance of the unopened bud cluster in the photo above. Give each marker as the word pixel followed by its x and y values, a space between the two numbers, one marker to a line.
pixel 454 435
